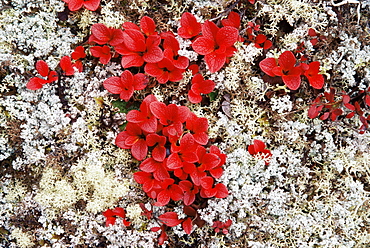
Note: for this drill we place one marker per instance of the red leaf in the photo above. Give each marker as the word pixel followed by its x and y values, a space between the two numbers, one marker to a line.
pixel 194 97
pixel 190 27
pixel 53 76
pixel 140 81
pixel 155 229
pixel 132 60
pixel 174 161
pixel 101 32
pixel 78 53
pixel 207 182
pixel 350 115
pixel 113 85
pixel 314 111
pixel 134 40
pixel 232 20
pixel 227 36
pixel 267 66
pixel 91 4
pixel 42 68
pixel 170 219
pixel 187 225
pixel 121 139
pixel 203 45
pixel 349 106
pixel 163 198
pixel 119 212
pixel 148 165
pixel 66 65
pixel 217 172
pixel 325 116
pixel 209 30
pixel 147 25
pixel 222 191
pixel 35 83
pixel 312 32
pixel 74 5
pixel 215 61
pixel 139 150
pixel 287 59
pixel 292 81
pixel 163 237
pixel 103 53
pixel 153 55
pixel 110 221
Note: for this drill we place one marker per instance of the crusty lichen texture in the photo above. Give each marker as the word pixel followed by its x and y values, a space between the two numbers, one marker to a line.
pixel 60 168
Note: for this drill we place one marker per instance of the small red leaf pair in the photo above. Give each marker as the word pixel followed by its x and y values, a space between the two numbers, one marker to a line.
pixel 42 68
pixel 199 86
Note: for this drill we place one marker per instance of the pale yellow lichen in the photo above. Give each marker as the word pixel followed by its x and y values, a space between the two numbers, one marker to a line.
pixel 16 192
pixel 133 213
pixel 23 240
pixel 87 180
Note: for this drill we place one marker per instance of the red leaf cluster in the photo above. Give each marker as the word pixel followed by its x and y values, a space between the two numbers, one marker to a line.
pixel 42 68
pixel 329 105
pixel 126 84
pixel 216 44
pixel 180 167
pixel 287 68
pixel 111 216
pixel 222 226
pixel 259 40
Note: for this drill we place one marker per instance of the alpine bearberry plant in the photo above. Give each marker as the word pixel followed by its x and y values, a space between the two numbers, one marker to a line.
pixel 177 165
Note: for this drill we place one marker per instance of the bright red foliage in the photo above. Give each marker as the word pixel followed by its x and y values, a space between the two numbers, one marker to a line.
pixel 217 44
pixel 136 49
pixel 232 20
pixel 285 67
pixel 144 118
pixel 198 126
pixel 180 168
pixel 103 53
pixel 126 84
pixel 78 53
pixel 171 47
pixel 111 216
pixel 42 68
pixel 74 5
pixel 199 86
pixel 68 67
pixel 315 79
pixel 171 117
pixel 133 138
pixel 164 71
pixel 102 35
pixel 190 27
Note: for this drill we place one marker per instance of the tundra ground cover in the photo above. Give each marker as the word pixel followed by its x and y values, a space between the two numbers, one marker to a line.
pixel 184 124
